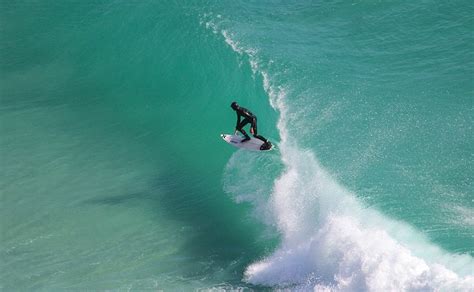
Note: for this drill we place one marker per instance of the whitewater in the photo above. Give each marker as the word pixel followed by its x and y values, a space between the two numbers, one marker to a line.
pixel 329 240
pixel 368 103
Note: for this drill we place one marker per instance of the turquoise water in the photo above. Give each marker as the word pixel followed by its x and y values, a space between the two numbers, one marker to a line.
pixel 114 175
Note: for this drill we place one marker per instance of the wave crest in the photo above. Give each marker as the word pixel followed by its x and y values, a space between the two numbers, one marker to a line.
pixel 330 241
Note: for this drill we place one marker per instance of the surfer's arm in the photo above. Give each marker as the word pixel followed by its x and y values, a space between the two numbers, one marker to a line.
pixel 238 121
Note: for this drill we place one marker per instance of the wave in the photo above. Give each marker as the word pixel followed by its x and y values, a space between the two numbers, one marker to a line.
pixel 331 241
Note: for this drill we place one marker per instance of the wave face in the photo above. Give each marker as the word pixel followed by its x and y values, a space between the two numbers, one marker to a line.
pixel 332 240
pixel 369 104
pixel 333 243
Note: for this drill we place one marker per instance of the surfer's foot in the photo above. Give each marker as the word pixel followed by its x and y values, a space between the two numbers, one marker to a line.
pixel 245 139
pixel 266 146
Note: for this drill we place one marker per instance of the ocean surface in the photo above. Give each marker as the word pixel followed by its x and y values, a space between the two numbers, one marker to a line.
pixel 114 176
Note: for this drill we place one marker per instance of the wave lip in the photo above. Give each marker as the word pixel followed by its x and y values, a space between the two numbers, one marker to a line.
pixel 331 242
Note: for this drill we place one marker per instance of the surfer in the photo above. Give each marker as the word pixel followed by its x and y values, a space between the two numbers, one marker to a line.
pixel 248 118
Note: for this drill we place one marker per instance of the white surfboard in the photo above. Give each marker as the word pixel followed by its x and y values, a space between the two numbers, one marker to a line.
pixel 236 140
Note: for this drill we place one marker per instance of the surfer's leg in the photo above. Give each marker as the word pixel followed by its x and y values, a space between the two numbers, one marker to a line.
pixel 241 130
pixel 242 124
pixel 255 134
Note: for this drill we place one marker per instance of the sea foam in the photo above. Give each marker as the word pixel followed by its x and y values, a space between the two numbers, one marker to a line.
pixel 331 241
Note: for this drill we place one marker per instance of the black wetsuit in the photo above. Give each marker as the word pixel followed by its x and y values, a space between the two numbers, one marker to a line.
pixel 248 118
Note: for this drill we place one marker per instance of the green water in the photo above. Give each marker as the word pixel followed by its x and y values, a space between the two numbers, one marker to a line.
pixel 113 174
pixel 383 93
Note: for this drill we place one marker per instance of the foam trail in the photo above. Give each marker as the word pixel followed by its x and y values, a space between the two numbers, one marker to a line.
pixel 331 242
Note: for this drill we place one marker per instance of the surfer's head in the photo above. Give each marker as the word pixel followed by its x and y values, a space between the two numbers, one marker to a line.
pixel 234 105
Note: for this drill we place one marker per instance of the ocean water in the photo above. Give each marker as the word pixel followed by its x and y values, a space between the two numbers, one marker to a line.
pixel 114 177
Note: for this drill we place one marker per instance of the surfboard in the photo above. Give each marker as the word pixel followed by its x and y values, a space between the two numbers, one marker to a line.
pixel 253 144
